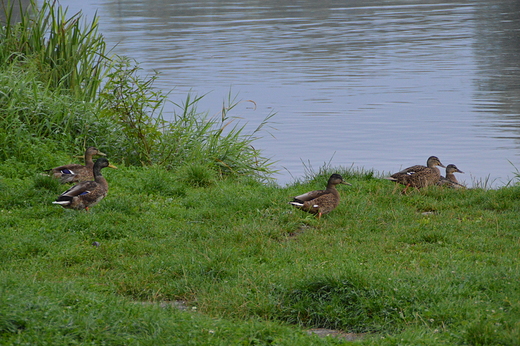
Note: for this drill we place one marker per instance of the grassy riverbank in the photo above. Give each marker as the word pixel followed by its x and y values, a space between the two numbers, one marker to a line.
pixel 433 267
pixel 194 245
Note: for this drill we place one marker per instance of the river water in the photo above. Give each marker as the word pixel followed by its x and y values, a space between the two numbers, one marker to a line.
pixel 371 84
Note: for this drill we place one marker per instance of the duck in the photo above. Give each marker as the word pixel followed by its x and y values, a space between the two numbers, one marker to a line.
pixel 75 172
pixel 419 176
pixel 450 180
pixel 87 193
pixel 320 202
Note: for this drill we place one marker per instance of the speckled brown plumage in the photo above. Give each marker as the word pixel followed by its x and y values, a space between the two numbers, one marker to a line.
pixel 88 193
pixel 419 176
pixel 451 180
pixel 320 202
pixel 76 172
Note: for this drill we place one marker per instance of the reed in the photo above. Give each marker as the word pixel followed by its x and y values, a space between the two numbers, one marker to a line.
pixel 189 137
pixel 35 121
pixel 65 53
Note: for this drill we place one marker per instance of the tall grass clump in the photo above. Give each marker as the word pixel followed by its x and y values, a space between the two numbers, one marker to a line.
pixel 37 125
pixel 62 52
pixel 50 71
pixel 222 142
pixel 190 137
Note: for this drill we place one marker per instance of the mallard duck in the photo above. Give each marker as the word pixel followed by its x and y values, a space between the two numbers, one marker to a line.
pixel 88 193
pixel 450 180
pixel 320 202
pixel 76 172
pixel 419 176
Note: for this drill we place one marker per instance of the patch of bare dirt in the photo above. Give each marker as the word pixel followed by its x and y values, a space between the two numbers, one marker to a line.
pixel 322 332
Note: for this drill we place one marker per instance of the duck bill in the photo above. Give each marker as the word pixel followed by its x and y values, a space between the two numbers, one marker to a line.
pixel 345 183
pixel 101 154
pixel 112 166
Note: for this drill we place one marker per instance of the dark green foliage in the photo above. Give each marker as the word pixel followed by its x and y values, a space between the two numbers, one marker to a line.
pixel 38 124
pixel 340 304
pixel 197 175
pixel 131 102
pixel 59 51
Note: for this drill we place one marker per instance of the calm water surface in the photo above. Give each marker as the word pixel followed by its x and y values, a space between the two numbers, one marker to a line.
pixel 371 84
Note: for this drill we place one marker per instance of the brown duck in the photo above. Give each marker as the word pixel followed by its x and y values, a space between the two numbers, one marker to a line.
pixel 76 172
pixel 88 193
pixel 419 176
pixel 451 180
pixel 320 202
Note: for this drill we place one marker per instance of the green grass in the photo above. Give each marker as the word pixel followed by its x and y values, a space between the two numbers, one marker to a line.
pixel 192 221
pixel 253 270
pixel 60 50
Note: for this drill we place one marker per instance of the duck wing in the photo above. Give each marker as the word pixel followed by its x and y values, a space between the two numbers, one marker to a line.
pixel 309 196
pixel 449 183
pixel 67 169
pixel 68 178
pixel 410 170
pixel 71 173
pixel 79 189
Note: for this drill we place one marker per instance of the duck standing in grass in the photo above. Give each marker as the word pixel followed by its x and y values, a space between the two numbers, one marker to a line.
pixel 88 193
pixel 320 202
pixel 451 180
pixel 419 176
pixel 75 172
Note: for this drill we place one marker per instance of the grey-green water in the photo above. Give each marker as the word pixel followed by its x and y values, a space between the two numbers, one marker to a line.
pixel 373 84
